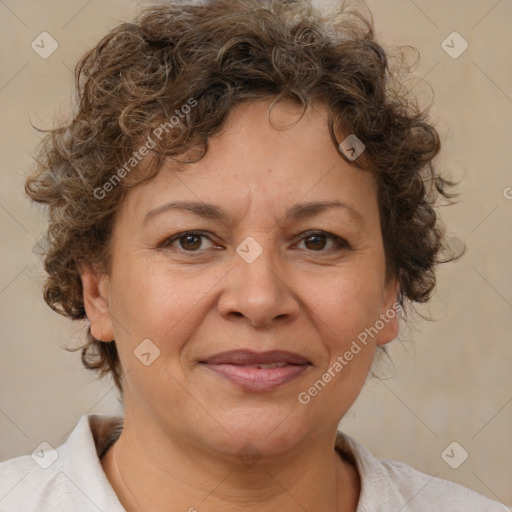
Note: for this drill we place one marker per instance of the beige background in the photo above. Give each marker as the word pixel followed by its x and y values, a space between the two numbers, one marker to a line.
pixel 451 379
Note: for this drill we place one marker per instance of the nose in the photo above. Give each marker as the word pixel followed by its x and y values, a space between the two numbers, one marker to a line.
pixel 258 291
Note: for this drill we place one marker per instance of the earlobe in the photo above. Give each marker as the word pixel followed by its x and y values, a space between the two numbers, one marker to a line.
pixel 390 313
pixel 96 302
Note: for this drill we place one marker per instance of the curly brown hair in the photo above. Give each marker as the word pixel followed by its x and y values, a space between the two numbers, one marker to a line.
pixel 213 56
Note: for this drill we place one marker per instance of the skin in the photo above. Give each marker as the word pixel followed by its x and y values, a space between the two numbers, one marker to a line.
pixel 184 425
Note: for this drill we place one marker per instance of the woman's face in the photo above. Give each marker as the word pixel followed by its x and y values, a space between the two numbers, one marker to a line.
pixel 273 273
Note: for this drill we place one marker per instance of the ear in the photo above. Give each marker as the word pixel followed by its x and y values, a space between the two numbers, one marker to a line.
pixel 390 312
pixel 96 301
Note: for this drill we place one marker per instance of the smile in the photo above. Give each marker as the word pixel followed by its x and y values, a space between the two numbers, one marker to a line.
pixel 254 372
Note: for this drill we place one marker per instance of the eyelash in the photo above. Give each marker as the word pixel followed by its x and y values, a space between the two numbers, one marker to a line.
pixel 341 243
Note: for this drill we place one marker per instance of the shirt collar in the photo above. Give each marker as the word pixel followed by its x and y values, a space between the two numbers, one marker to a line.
pixel 89 486
pixel 94 434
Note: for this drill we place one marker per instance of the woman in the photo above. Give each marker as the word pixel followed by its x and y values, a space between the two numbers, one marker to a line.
pixel 240 207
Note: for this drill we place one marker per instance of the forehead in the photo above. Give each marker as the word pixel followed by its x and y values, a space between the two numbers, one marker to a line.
pixel 263 160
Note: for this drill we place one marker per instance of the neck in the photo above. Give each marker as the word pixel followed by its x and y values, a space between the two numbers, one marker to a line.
pixel 312 477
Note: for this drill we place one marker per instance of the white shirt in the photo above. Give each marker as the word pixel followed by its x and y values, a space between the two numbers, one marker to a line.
pixel 74 481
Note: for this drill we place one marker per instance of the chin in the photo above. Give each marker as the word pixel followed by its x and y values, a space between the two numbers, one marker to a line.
pixel 261 432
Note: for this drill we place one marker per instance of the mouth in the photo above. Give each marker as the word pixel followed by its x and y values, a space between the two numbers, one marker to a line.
pixel 253 371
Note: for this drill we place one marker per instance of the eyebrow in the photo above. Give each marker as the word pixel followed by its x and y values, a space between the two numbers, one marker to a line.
pixel 296 212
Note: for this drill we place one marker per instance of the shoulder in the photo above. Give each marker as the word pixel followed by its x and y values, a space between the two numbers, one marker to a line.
pixel 31 483
pixel 392 485
pixel 67 478
pixel 422 491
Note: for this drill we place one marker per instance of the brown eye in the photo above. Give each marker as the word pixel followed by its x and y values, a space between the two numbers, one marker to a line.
pixel 319 242
pixel 188 241
pixel 315 242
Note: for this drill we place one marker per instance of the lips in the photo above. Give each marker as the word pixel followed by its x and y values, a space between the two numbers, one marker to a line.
pixel 253 371
pixel 249 358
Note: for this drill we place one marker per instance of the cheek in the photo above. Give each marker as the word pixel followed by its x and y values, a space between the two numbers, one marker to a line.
pixel 153 302
pixel 164 310
pixel 348 303
pixel 346 308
